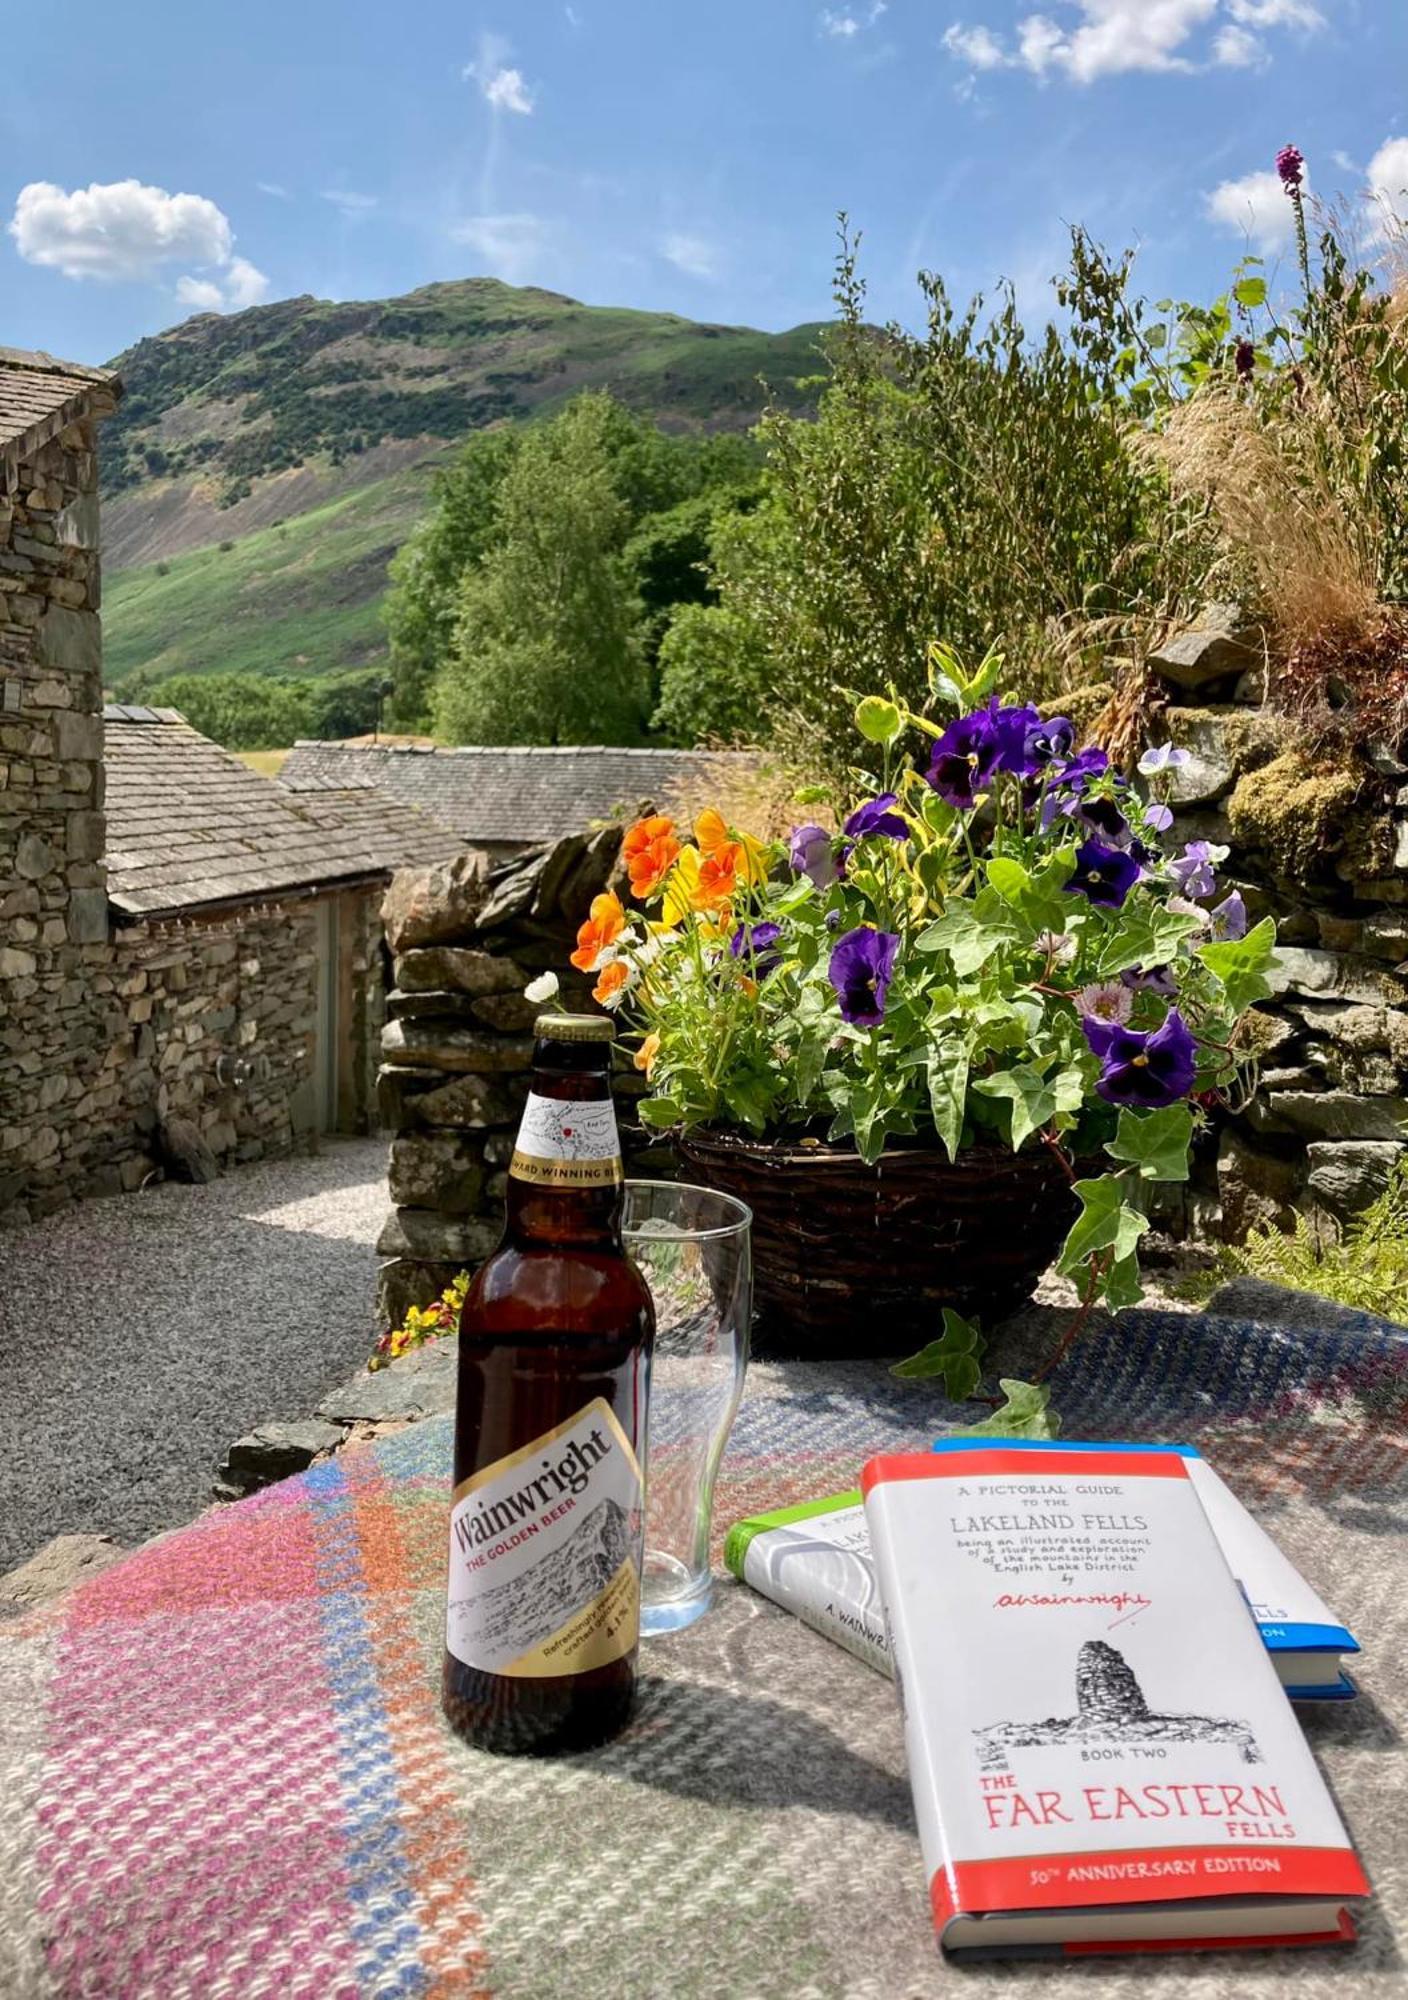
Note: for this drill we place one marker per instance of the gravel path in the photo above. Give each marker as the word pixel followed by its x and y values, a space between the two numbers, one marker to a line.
pixel 140 1336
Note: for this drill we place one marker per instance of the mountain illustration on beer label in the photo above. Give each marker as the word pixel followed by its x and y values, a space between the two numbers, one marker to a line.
pixel 1110 1708
pixel 545 1550
pixel 567 1143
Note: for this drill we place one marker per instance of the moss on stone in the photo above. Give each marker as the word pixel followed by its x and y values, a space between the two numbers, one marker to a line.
pixel 1249 737
pixel 1296 809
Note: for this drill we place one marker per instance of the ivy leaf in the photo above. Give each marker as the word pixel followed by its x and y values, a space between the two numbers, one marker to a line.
pixel 1023 1413
pixel 1242 964
pixel 947 1071
pixel 1106 1222
pixel 955 1356
pixel 1146 937
pixel 1032 1098
pixel 660 1112
pixel 1122 1284
pixel 1250 292
pixel 971 932
pixel 1154 1141
pixel 1040 899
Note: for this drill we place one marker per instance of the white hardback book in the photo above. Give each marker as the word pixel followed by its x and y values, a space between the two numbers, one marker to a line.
pixel 1101 1753
pixel 815 1561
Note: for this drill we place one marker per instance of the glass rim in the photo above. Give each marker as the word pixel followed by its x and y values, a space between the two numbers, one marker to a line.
pixel 679 1232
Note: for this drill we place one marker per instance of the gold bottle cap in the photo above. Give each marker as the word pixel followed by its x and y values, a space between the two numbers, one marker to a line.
pixel 574 1028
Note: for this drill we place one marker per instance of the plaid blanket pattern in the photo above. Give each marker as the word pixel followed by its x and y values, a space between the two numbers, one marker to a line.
pixel 223 1770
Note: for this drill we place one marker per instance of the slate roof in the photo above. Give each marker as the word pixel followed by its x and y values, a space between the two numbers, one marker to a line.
pixel 188 824
pixel 506 795
pixel 38 396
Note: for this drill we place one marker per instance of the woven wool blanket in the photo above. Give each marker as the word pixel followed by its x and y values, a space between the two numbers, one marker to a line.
pixel 223 1771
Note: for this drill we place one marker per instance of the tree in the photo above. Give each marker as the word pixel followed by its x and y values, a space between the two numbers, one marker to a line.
pixel 240 711
pixel 423 602
pixel 546 644
pixel 713 678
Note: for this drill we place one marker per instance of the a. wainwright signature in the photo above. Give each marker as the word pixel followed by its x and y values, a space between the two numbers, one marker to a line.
pixel 1128 1603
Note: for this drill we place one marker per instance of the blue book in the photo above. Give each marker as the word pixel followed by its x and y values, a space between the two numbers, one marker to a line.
pixel 1306 1641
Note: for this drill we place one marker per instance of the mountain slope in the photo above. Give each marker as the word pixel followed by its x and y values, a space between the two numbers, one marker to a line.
pixel 263 467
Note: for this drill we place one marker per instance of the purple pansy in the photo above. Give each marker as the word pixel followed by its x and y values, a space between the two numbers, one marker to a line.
pixel 1103 820
pixel 756 943
pixel 1153 979
pixel 1164 757
pixel 875 816
pixel 1103 874
pixel 1048 742
pixel 861 966
pixel 1159 817
pixel 1193 870
pixel 964 759
pixel 810 854
pixel 1146 1071
pixel 1011 728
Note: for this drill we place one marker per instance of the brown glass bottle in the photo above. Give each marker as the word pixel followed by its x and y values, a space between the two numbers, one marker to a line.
pixel 554 1354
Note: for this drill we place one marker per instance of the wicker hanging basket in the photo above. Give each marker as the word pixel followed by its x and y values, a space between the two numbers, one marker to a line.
pixel 850 1259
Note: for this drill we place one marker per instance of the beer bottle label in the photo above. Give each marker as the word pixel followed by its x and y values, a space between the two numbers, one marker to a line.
pixel 545 1553
pixel 566 1145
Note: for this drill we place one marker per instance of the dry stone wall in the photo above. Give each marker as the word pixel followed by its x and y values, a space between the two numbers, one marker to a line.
pixel 457 1046
pixel 1320 842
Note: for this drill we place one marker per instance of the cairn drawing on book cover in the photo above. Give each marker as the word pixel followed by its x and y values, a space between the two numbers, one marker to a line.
pixel 1110 1708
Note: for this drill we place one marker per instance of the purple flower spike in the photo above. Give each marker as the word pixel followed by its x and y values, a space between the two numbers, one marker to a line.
pixel 756 942
pixel 964 759
pixel 861 966
pixel 875 817
pixel 1103 874
pixel 809 852
pixel 1146 1072
pixel 1290 165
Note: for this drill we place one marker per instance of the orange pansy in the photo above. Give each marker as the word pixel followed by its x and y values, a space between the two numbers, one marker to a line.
pixel 718 878
pixel 644 1057
pixel 610 988
pixel 649 851
pixel 599 933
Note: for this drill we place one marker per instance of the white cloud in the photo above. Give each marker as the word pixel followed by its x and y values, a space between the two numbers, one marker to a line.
pixel 500 84
pixel 118 230
pixel 1234 48
pixel 1114 37
pixel 509 244
pixel 979 47
pixel 123 230
pixel 844 27
pixel 1276 14
pixel 353 206
pixel 1387 177
pixel 1344 162
pixel 200 295
pixel 239 285
pixel 1256 206
pixel 693 255
pixel 273 188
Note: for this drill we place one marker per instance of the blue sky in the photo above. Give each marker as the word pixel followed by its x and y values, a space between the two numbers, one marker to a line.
pixel 157 159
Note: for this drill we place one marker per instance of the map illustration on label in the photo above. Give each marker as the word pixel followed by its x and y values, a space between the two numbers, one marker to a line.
pixel 562 1144
pixel 545 1551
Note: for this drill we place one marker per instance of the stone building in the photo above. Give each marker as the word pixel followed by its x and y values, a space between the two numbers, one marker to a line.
pixel 504 800
pixel 182 943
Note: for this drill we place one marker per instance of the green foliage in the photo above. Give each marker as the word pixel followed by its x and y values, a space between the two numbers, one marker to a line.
pixel 1364 1266
pixel 955 1356
pixel 240 711
pixel 545 647
pixel 714 682
pixel 970 481
pixel 1023 1412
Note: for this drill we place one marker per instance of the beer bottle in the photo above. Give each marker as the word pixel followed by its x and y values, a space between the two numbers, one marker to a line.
pixel 543 1609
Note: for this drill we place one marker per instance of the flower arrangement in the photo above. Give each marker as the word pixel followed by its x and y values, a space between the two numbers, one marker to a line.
pixel 423 1323
pixel 994 949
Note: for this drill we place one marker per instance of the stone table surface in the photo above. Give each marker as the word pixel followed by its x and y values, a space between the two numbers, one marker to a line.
pixel 223 1768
